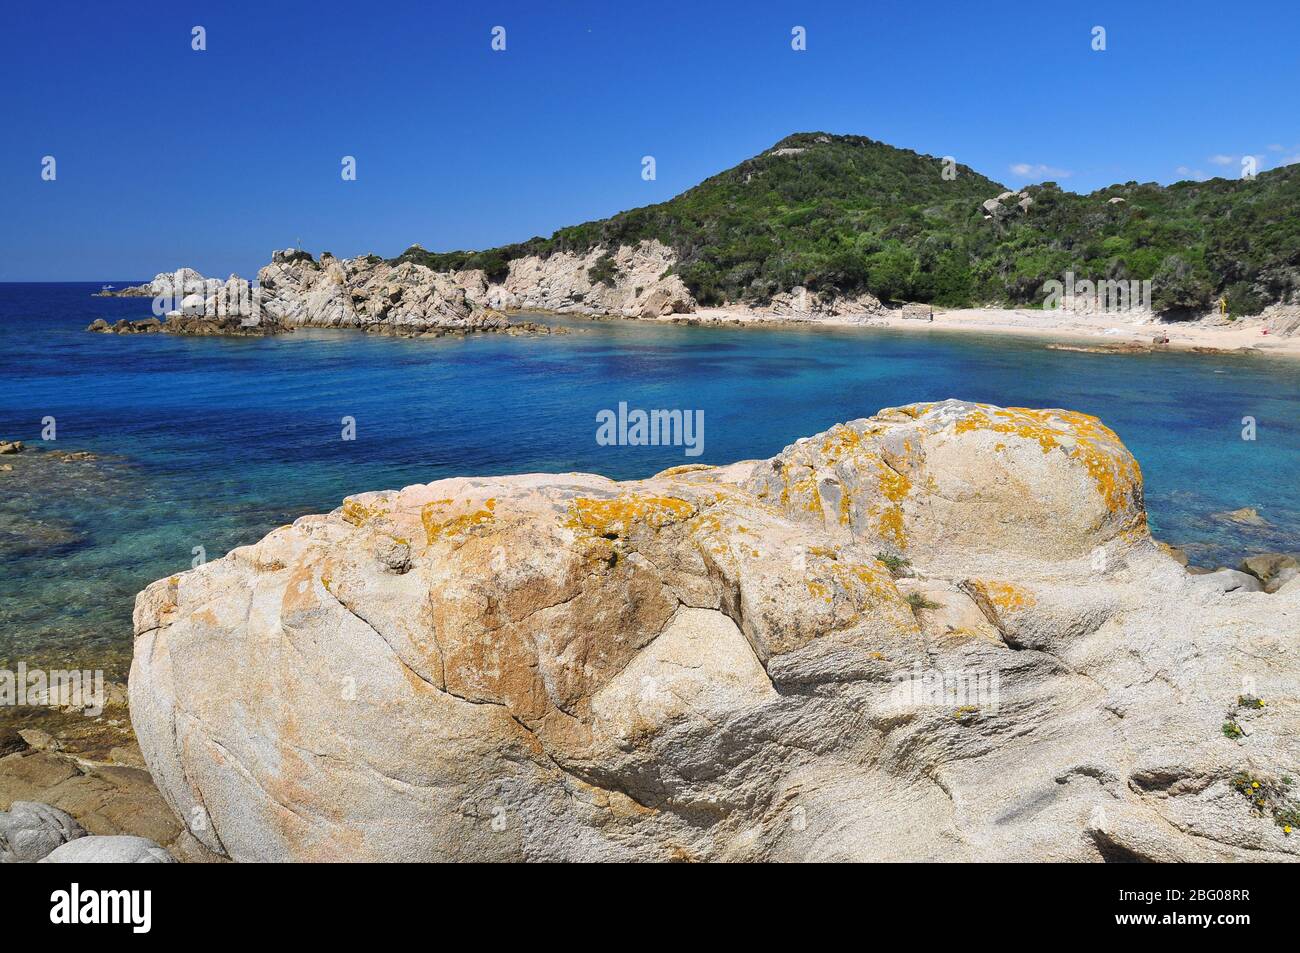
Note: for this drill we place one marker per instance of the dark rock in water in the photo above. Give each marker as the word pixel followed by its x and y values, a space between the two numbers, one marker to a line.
pixel 193 324
pixel 1274 570
pixel 228 326
pixel 1267 565
pixel 23 537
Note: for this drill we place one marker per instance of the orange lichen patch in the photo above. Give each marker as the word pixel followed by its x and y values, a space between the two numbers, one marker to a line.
pixel 358 514
pixel 819 590
pixel 910 410
pixel 803 488
pixel 889 526
pixel 1005 596
pixel 439 524
pixel 617 517
pixel 894 485
pixel 840 440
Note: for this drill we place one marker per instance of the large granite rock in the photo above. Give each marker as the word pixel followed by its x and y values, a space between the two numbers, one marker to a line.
pixel 714 664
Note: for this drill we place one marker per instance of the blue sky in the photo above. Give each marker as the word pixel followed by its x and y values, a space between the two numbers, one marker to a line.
pixel 167 156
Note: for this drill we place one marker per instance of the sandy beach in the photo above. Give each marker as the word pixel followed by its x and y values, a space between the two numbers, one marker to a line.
pixel 1274 332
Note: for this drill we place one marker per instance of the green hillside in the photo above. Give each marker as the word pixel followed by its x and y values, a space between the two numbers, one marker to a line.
pixel 850 214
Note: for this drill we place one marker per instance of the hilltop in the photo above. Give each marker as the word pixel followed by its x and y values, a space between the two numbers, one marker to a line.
pixel 850 215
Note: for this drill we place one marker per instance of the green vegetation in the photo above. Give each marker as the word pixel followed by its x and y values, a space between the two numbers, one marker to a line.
pixel 1270 798
pixel 848 214
pixel 604 270
pixel 895 564
pixel 919 602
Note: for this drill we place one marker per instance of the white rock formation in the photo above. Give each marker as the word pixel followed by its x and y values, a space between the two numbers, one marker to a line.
pixel 109 849
pixel 713 664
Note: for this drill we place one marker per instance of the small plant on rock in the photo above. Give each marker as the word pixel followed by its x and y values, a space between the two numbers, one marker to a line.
pixel 1269 798
pixel 919 602
pixel 895 564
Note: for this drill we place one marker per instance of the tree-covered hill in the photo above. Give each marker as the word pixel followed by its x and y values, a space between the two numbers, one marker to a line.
pixel 849 214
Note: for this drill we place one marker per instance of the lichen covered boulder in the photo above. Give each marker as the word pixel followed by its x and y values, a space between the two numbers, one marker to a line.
pixel 929 478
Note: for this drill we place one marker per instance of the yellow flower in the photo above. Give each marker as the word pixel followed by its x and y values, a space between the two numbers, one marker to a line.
pixel 1287 829
pixel 1255 784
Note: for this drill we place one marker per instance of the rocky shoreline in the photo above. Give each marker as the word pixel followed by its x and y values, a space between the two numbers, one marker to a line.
pixel 406 298
pixel 735 663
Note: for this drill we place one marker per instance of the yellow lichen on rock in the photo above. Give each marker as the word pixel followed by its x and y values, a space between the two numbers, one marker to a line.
pixel 358 513
pixel 619 515
pixel 439 524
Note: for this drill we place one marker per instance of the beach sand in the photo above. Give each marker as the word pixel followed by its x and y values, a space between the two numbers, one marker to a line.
pixel 1099 330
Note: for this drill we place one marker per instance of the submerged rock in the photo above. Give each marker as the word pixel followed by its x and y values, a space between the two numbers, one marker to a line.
pixel 717 663
pixel 1245 516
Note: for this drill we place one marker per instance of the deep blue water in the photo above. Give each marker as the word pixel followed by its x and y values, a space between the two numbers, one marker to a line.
pixel 212 442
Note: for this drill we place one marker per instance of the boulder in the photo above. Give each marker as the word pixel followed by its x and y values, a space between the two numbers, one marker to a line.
pixel 1267 565
pixel 30 830
pixel 109 849
pixel 1230 580
pixel 716 663
pixel 11 446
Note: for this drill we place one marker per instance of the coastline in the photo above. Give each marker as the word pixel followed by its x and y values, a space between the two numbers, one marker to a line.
pixel 1110 331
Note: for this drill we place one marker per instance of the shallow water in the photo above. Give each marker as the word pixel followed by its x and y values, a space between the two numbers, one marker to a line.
pixel 212 442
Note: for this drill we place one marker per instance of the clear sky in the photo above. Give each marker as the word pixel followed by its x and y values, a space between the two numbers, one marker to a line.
pixel 167 156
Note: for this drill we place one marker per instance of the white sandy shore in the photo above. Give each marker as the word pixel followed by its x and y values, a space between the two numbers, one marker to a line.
pixel 1091 330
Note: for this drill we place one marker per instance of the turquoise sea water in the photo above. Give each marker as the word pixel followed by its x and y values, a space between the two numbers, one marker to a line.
pixel 212 442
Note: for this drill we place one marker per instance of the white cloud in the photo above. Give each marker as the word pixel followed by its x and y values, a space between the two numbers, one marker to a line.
pixel 1030 170
pixel 1187 173
pixel 1221 159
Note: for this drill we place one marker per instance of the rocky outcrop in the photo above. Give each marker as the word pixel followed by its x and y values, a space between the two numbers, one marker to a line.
pixel 942 632
pixel 637 283
pixel 368 292
pixel 1005 205
pixel 176 284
